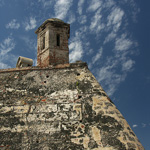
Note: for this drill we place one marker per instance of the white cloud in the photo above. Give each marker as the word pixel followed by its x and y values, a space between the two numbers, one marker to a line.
pixel 77 43
pixel 30 43
pixel 72 18
pixel 94 5
pixel 31 24
pixel 6 58
pixel 115 18
pixel 97 56
pixel 127 66
pixel 4 66
pixel 108 74
pixel 108 4
pixel 61 8
pixel 6 46
pixel 45 3
pixel 80 5
pixel 110 37
pixel 123 43
pixel 82 19
pixel 134 9
pixel 11 59
pixel 109 77
pixel 96 24
pixel 90 51
pixel 76 51
pixel 13 24
pixel 135 126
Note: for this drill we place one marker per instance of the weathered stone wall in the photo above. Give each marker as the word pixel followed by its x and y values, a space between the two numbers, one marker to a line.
pixel 59 108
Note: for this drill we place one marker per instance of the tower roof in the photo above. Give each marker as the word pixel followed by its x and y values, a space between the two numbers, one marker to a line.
pixel 52 20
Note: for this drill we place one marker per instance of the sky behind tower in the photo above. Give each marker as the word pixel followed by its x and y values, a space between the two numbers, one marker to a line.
pixel 113 37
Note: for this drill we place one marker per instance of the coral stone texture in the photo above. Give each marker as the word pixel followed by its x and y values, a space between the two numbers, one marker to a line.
pixel 60 107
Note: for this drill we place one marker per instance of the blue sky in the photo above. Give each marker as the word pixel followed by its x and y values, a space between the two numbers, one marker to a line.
pixel 112 36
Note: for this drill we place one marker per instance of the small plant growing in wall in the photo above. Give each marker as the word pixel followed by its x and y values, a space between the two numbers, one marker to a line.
pixel 77 86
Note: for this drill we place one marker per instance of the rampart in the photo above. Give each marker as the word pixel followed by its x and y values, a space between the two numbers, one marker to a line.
pixel 60 107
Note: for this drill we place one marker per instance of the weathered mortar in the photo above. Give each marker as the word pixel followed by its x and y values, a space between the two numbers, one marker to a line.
pixel 59 108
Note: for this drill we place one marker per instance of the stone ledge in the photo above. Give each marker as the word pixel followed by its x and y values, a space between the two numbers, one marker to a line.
pixel 59 66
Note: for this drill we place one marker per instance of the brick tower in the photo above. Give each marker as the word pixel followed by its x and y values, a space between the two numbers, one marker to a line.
pixel 52 43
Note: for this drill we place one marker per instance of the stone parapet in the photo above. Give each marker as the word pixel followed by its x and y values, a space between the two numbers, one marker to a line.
pixel 59 66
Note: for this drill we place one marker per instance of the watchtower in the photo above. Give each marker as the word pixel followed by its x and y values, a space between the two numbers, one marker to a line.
pixel 52 43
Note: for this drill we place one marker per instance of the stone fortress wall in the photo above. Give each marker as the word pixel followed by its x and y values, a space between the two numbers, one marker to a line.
pixel 59 107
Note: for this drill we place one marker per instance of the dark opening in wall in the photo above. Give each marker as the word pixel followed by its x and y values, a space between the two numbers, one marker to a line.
pixel 79 96
pixel 58 39
pixel 43 43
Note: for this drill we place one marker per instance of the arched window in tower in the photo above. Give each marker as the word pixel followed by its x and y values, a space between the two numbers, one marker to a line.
pixel 58 39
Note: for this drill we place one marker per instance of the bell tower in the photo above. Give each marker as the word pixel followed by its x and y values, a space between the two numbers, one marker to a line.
pixel 52 43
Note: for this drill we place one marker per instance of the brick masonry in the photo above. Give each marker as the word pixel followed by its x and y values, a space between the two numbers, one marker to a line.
pixel 60 107
pixel 49 53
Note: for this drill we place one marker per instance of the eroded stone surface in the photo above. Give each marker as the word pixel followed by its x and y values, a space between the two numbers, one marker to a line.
pixel 60 109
